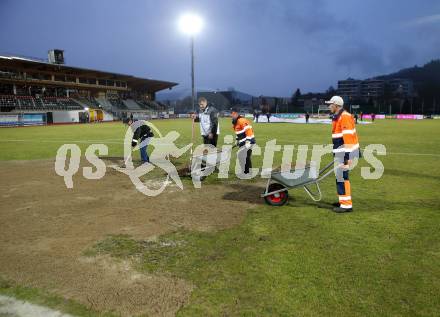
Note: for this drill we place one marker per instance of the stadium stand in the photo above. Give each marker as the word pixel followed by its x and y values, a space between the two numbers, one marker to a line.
pixel 68 104
pixel 117 103
pixel 6 89
pixel 8 101
pixel 31 103
pixel 151 105
pixel 29 85
pixel 144 105
pixel 83 102
pixel 131 104
pixel 49 103
pixel 95 103
pixel 26 102
pixel 105 104
pixel 39 104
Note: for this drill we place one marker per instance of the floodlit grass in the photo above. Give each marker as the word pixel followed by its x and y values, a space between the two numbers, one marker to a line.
pixel 300 260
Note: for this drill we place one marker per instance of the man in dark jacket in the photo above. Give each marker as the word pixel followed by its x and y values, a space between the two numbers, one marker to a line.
pixel 265 110
pixel 142 133
pixel 208 118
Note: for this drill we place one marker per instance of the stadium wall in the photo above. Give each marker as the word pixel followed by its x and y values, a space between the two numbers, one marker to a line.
pixel 365 116
pixel 37 118
pixel 22 119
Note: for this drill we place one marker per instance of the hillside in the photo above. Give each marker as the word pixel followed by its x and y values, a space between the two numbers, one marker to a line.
pixel 429 72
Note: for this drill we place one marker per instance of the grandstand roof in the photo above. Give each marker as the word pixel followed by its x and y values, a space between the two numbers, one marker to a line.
pixel 41 65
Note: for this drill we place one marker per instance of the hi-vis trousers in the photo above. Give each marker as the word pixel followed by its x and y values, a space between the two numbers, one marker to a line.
pixel 344 191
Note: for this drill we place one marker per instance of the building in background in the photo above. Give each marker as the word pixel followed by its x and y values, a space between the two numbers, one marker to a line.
pixel 402 86
pixel 371 88
pixel 349 88
pixel 365 90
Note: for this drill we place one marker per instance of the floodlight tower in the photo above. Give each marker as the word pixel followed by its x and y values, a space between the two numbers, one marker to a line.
pixel 191 24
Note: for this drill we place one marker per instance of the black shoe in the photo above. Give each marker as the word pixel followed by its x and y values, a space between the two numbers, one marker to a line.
pixel 328 204
pixel 340 210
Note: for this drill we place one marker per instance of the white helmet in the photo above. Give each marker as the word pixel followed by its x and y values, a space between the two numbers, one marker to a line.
pixel 336 100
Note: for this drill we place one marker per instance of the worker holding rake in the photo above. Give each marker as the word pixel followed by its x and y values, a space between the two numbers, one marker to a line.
pixel 208 118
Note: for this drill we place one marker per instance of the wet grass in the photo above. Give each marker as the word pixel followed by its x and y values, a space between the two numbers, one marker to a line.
pixel 302 261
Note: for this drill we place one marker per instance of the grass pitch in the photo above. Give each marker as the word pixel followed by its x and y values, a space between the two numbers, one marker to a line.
pixel 297 260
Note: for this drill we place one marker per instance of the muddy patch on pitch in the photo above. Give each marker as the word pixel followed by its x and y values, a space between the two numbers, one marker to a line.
pixel 46 227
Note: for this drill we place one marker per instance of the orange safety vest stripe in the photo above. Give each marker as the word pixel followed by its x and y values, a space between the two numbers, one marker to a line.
pixel 243 125
pixel 344 127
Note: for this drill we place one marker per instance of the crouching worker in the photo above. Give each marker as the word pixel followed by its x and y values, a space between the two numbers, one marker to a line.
pixel 141 134
pixel 244 136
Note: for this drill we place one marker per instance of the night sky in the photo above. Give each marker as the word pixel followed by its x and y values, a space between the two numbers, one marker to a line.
pixel 261 47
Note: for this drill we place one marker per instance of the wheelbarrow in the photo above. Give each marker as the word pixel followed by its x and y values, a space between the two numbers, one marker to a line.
pixel 278 186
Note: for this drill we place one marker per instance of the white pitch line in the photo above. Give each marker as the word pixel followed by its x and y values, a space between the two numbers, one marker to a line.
pixel 110 141
pixel 66 141
pixel 409 154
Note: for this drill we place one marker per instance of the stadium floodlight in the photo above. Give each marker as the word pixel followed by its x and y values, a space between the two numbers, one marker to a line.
pixel 191 24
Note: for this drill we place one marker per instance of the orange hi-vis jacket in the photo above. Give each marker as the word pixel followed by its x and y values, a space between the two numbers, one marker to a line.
pixel 344 134
pixel 243 131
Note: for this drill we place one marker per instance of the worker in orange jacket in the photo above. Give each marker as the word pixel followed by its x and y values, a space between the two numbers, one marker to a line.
pixel 244 136
pixel 346 146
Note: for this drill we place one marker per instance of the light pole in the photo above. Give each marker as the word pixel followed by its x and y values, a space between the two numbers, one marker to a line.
pixel 193 93
pixel 191 25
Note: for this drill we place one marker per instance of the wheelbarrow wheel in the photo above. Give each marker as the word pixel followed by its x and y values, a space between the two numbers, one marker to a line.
pixel 278 199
